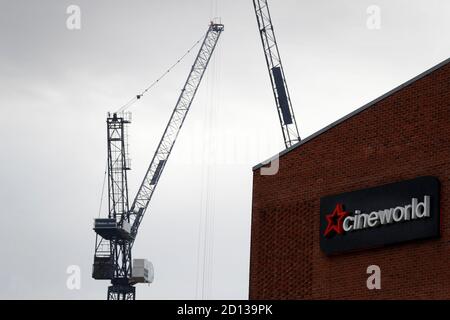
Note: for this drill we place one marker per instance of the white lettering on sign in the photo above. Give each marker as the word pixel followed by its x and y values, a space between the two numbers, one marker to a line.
pixel 413 211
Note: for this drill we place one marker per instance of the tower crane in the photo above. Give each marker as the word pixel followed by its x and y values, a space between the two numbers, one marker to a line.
pixel 276 72
pixel 116 234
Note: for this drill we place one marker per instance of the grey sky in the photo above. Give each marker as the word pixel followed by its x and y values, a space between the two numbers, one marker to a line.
pixel 56 86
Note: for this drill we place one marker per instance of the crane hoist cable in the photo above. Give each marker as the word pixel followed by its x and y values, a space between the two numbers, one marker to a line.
pixel 206 175
pixel 137 97
pixel 203 216
pixel 206 228
pixel 211 174
pixel 203 228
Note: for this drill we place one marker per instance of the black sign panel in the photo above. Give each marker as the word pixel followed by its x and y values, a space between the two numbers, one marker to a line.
pixel 397 212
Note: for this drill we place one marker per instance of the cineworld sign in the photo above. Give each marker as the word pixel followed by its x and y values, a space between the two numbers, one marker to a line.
pixel 379 216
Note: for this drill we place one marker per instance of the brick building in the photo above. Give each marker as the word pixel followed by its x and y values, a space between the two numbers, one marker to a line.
pixel 402 135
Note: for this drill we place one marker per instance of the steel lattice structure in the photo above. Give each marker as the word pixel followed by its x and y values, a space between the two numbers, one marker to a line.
pixel 116 235
pixel 176 121
pixel 277 78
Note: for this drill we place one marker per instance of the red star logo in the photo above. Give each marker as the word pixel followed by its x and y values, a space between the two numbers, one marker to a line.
pixel 335 220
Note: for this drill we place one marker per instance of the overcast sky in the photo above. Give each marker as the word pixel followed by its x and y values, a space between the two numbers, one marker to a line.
pixel 56 86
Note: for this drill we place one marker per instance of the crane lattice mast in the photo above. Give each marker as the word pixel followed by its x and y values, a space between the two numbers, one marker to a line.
pixel 277 78
pixel 117 233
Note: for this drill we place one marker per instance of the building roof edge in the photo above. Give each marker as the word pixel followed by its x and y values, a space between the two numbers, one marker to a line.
pixel 353 113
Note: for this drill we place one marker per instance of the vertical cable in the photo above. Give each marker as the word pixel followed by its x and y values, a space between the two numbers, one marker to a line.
pixel 103 189
pixel 205 245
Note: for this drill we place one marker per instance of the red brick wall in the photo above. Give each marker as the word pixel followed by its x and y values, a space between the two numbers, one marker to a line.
pixel 401 137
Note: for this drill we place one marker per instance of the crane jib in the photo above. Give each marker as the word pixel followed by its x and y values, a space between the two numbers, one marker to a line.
pixel 174 125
